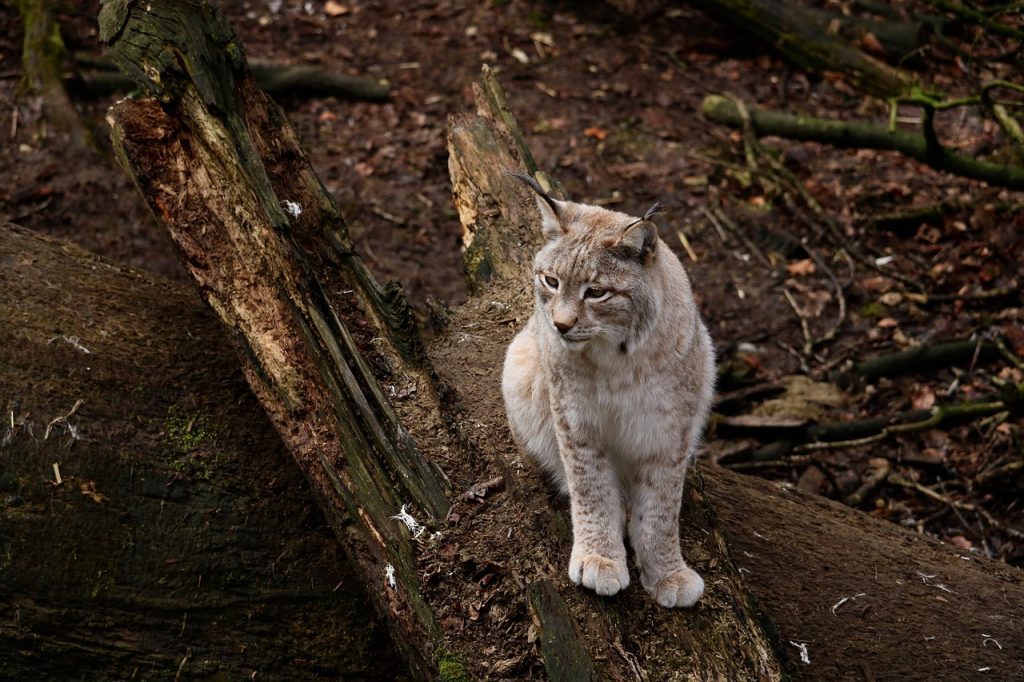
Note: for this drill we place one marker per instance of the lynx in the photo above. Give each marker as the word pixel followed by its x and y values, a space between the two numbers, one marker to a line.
pixel 608 387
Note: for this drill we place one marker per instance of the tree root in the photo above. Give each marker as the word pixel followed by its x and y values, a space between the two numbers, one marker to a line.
pixel 859 135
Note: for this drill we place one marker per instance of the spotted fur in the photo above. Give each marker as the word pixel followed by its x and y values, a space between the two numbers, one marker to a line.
pixel 608 387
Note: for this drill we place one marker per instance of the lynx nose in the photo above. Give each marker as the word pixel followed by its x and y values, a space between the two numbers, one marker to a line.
pixel 563 327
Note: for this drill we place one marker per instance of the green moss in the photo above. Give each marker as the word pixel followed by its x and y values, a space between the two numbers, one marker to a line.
pixel 187 434
pixel 450 669
pixel 191 439
pixel 874 310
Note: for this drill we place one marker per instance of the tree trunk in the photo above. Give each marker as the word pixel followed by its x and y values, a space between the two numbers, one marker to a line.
pixel 179 538
pixel 372 417
pixel 42 60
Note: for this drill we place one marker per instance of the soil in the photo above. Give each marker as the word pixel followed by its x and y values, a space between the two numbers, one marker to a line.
pixel 609 105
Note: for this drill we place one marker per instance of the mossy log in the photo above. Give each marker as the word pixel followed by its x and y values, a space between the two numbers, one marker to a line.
pixel 161 530
pixel 859 135
pixel 797 34
pixel 42 67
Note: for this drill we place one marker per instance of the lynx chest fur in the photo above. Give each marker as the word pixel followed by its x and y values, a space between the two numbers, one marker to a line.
pixel 608 387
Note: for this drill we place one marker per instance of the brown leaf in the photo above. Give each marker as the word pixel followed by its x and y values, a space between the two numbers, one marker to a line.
pixel 88 489
pixel 812 480
pixel 335 9
pixel 596 133
pixel 960 541
pixel 923 398
pixel 801 268
pixel 870 43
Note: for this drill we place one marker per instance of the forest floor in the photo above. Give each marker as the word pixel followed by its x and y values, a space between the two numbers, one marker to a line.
pixel 610 108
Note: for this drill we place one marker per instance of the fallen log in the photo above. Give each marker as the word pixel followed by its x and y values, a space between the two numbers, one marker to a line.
pixel 797 34
pixel 324 348
pixel 160 528
pixel 859 135
pixel 98 78
pixel 848 586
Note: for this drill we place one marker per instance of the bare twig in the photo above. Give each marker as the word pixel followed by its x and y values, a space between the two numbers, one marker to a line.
pixel 804 327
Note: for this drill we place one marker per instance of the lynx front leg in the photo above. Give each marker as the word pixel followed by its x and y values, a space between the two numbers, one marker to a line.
pixel 655 498
pixel 598 559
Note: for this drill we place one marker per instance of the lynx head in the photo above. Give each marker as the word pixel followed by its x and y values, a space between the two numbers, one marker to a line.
pixel 594 278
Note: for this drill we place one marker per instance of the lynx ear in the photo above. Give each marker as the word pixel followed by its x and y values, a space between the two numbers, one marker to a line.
pixel 549 208
pixel 640 238
pixel 637 242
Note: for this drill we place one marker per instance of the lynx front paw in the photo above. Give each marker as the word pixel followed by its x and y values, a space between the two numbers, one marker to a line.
pixel 604 576
pixel 682 588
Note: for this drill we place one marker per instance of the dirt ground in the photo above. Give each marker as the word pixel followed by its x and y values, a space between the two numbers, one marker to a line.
pixel 609 105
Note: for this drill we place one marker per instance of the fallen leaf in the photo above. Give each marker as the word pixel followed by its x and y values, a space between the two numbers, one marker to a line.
pixel 88 489
pixel 871 44
pixel 596 133
pixel 801 268
pixel 960 541
pixel 881 284
pixel 520 56
pixel 923 398
pixel 335 9
pixel 812 480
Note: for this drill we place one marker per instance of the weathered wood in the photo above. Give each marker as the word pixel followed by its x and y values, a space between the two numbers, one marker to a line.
pixel 497 228
pixel 481 149
pixel 797 35
pixel 181 540
pixel 223 170
pixel 859 135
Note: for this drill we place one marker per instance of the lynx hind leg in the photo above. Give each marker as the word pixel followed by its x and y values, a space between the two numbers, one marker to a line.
pixel 656 495
pixel 528 405
pixel 680 589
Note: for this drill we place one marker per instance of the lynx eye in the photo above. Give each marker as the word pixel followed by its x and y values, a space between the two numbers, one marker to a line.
pixel 552 282
pixel 596 293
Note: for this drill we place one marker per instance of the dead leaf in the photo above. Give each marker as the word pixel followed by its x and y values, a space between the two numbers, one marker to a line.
pixel 923 398
pixel 801 268
pixel 870 43
pixel 812 480
pixel 960 542
pixel 596 133
pixel 88 489
pixel 879 283
pixel 335 9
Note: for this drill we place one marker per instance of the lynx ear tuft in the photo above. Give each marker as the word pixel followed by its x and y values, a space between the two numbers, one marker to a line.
pixel 654 210
pixel 549 208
